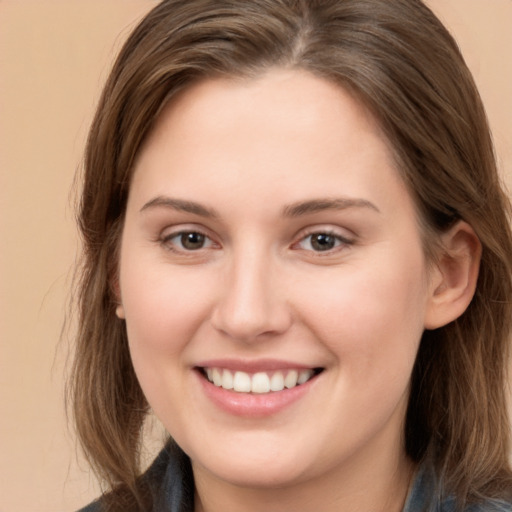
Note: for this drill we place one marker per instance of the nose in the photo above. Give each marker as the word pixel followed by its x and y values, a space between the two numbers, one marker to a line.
pixel 251 305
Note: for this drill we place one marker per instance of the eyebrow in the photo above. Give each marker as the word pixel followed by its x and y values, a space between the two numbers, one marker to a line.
pixel 293 210
pixel 319 205
pixel 179 205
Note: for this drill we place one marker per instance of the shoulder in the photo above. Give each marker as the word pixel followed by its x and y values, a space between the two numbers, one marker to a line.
pixel 168 481
pixel 152 477
pixel 486 506
pixel 92 507
pixel 426 496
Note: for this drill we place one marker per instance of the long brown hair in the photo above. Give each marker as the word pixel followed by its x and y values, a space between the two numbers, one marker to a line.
pixel 402 63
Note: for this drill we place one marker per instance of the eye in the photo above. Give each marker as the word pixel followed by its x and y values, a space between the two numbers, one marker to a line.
pixel 187 241
pixel 322 242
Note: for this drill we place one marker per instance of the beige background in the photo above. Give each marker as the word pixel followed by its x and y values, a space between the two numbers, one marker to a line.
pixel 54 56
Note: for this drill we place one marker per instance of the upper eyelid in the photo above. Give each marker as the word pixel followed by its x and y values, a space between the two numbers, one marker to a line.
pixel 342 233
pixel 345 241
pixel 341 239
pixel 170 231
pixel 176 248
pixel 173 234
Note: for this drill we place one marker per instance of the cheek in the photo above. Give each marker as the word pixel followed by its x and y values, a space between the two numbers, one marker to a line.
pixel 372 318
pixel 164 305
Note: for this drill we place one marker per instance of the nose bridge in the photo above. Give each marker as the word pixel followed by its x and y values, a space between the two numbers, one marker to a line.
pixel 251 304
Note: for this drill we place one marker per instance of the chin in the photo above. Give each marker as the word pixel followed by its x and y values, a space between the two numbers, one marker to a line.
pixel 256 474
pixel 252 462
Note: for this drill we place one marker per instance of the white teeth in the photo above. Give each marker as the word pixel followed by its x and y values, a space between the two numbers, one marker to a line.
pixel 277 382
pixel 242 382
pixel 217 377
pixel 304 376
pixel 260 382
pixel 227 379
pixel 290 381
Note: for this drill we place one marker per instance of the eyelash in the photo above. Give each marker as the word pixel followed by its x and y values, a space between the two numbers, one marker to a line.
pixel 166 241
pixel 339 241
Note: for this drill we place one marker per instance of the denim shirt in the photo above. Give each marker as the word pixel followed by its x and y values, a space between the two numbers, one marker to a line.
pixel 172 486
pixel 425 496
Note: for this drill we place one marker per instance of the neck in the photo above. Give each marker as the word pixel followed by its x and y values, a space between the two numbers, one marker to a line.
pixel 373 487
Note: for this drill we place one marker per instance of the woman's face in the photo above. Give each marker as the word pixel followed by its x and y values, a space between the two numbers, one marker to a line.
pixel 271 245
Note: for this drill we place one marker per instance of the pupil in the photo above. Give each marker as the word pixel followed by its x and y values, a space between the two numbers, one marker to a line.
pixel 322 242
pixel 192 240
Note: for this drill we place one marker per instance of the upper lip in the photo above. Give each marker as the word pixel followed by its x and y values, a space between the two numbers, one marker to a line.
pixel 254 366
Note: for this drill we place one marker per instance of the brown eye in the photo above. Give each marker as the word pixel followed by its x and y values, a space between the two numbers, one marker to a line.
pixel 322 241
pixel 186 241
pixel 192 241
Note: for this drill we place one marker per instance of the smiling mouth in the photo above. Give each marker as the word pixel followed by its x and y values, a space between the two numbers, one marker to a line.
pixel 260 382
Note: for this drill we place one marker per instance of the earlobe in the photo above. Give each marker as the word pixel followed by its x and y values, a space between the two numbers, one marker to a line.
pixel 116 291
pixel 120 312
pixel 454 276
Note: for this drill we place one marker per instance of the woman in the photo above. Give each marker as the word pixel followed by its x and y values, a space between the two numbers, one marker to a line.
pixel 297 254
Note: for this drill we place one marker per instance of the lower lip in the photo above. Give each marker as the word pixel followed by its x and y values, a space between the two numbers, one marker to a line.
pixel 253 405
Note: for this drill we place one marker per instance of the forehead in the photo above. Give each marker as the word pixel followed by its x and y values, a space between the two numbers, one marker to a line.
pixel 288 95
pixel 286 131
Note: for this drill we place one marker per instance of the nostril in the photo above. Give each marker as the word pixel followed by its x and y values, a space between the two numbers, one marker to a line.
pixel 250 305
pixel 248 324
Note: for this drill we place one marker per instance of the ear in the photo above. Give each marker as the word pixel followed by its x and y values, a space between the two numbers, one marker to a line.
pixel 120 312
pixel 116 292
pixel 454 276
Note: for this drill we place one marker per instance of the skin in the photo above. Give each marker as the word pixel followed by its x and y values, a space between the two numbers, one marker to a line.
pixel 246 153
